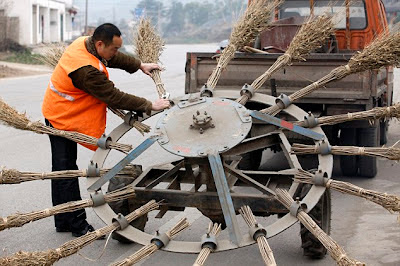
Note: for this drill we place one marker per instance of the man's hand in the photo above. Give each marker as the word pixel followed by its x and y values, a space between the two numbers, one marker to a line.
pixel 160 104
pixel 148 67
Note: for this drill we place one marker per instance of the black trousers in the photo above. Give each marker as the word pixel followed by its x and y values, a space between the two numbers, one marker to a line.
pixel 63 156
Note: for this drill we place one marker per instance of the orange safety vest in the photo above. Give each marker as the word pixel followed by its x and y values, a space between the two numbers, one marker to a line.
pixel 69 108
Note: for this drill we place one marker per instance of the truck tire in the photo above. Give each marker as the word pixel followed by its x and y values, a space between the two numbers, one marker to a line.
pixel 348 164
pixel 321 214
pixel 383 127
pixel 368 137
pixel 251 160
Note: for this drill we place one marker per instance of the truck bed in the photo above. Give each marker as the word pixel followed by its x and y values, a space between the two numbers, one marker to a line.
pixel 356 89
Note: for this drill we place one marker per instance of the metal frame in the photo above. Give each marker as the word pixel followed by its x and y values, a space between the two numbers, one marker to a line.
pixel 311 199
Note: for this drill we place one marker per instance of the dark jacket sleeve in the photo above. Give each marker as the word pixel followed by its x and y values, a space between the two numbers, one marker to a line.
pixel 125 62
pixel 92 81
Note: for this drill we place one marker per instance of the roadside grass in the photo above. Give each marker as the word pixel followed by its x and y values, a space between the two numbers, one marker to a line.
pixel 24 57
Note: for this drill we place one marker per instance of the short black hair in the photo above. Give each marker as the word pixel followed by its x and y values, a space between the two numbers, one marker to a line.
pixel 106 33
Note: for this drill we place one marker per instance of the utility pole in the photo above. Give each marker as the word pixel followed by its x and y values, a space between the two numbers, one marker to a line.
pixel 86 18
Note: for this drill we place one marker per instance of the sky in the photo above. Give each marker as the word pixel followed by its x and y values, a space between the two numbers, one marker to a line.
pixel 111 10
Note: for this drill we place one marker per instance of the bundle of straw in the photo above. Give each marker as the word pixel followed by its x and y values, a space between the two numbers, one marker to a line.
pixel 310 36
pixel 149 46
pixel 52 54
pixel 336 251
pixel 51 256
pixel 19 219
pixel 142 128
pixel 13 176
pixel 256 18
pixel 10 117
pixel 265 250
pixel 50 57
pixel 384 50
pixel 388 201
pixel 213 230
pixel 151 248
pixel 391 153
pixel 371 115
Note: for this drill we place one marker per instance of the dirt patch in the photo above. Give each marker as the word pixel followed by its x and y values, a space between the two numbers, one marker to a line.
pixel 6 72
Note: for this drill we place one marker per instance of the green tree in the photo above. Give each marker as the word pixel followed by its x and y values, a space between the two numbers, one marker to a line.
pixel 153 9
pixel 176 18
pixel 198 13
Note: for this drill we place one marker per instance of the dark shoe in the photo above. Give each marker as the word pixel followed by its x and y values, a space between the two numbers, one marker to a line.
pixel 62 229
pixel 88 228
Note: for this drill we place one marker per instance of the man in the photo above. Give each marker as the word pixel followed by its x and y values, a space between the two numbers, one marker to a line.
pixel 76 99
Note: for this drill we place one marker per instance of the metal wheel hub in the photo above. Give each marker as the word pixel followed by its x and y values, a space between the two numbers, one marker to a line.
pixel 202 126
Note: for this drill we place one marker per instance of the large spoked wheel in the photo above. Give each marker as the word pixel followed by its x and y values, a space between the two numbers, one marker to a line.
pixel 204 173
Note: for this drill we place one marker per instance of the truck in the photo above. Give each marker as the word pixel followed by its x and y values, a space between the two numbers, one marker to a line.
pixel 356 25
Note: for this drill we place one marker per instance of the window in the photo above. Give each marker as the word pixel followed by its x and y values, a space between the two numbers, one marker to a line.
pixel 358 19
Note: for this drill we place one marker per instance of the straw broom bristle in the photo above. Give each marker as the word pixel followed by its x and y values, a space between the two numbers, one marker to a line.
pixel 384 50
pixel 388 201
pixel 71 247
pixel 312 34
pixel 151 248
pixel 391 153
pixel 51 54
pixel 385 113
pixel 13 176
pixel 20 219
pixel 265 249
pixel 336 251
pixel 148 43
pixel 149 46
pixel 213 230
pixel 10 117
pixel 255 19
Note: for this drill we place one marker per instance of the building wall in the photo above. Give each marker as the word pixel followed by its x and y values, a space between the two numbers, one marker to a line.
pixel 42 21
pixel 7 26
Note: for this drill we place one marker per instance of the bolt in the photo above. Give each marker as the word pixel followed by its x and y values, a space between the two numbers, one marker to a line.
pixel 157 127
pixel 198 112
pixel 225 147
pixel 240 106
pixel 205 113
pixel 157 233
pixel 201 131
pixel 297 200
pixel 212 125
pixel 191 126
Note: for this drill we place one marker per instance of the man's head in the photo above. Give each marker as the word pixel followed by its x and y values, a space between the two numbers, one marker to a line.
pixel 107 40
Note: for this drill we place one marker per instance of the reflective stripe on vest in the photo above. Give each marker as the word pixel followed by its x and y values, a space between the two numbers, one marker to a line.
pixel 66 96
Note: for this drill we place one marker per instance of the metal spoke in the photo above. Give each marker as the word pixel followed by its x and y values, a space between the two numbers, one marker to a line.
pixel 225 197
pixel 124 162
pixel 248 180
pixel 287 125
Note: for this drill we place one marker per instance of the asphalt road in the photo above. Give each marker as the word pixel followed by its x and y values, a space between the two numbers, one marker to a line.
pixel 366 231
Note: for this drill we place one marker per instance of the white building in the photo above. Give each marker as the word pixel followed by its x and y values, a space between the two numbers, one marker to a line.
pixel 43 21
